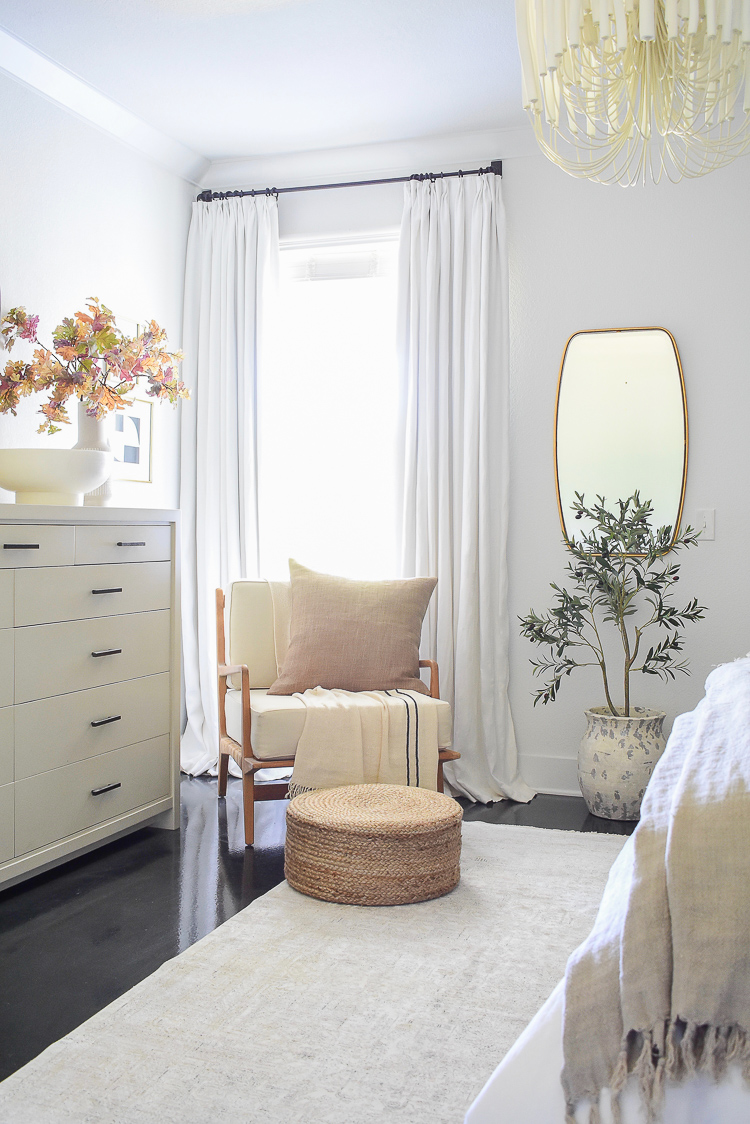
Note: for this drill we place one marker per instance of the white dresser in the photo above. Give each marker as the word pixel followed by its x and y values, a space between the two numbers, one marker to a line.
pixel 89 679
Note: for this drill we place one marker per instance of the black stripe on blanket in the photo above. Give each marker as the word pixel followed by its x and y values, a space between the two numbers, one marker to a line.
pixel 407 699
pixel 408 728
pixel 416 729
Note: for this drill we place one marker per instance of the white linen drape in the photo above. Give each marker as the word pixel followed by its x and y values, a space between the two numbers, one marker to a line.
pixel 232 262
pixel 453 351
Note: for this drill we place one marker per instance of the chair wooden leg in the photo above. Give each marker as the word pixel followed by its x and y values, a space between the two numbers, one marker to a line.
pixel 223 771
pixel 440 785
pixel 248 802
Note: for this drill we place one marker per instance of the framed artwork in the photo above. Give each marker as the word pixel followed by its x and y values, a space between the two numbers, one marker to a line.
pixel 130 438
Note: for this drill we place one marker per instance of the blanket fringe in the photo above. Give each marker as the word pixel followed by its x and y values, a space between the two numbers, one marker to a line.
pixel 671 1051
pixel 298 789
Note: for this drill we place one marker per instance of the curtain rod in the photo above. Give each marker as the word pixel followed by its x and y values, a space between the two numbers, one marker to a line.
pixel 495 168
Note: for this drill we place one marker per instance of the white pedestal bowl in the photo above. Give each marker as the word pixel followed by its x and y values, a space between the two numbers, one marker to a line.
pixel 53 476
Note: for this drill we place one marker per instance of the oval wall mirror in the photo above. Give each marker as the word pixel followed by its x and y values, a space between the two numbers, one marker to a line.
pixel 621 422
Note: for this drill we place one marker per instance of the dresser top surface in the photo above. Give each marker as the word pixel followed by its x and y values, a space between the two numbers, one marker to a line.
pixel 41 513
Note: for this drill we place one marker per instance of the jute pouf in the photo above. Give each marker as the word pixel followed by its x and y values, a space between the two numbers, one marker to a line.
pixel 373 844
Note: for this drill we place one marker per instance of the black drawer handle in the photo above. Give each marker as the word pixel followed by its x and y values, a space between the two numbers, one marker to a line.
pixel 131 544
pixel 114 589
pixel 106 721
pixel 107 652
pixel 20 546
pixel 106 788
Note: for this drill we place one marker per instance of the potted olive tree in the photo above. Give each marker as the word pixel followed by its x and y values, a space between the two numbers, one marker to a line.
pixel 622 575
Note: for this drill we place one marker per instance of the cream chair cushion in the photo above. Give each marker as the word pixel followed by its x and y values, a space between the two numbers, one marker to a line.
pixel 277 721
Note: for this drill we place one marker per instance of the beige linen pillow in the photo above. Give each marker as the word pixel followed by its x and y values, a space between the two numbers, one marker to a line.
pixel 353 635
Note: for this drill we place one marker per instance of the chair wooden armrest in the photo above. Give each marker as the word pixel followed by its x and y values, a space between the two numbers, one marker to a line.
pixel 231 669
pixel 434 677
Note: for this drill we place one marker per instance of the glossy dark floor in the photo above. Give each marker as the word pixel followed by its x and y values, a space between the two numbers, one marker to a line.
pixel 74 939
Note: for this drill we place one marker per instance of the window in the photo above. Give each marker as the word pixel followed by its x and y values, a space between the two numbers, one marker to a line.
pixel 328 415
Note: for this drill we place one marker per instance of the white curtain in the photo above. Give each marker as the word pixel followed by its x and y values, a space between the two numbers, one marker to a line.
pixel 232 262
pixel 453 344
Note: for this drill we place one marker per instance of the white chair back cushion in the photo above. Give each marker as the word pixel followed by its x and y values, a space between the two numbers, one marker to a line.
pixel 251 632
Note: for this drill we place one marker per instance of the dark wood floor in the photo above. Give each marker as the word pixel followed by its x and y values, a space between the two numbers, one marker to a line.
pixel 76 938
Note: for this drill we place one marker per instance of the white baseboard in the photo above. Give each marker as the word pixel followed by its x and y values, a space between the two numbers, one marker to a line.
pixel 557 776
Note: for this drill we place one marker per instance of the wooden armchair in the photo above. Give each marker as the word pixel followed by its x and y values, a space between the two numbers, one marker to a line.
pixel 258 730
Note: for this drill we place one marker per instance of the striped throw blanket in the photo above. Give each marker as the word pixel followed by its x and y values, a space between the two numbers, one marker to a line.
pixel 367 737
pixel 661 987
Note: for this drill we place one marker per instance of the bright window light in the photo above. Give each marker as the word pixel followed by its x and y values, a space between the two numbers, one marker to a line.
pixel 328 415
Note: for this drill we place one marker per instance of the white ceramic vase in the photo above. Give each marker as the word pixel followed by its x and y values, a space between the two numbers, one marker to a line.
pixel 92 434
pixel 616 760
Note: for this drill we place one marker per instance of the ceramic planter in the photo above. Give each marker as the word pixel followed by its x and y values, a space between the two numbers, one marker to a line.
pixel 616 760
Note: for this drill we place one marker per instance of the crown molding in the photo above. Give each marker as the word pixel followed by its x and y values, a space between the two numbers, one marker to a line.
pixel 373 161
pixel 65 89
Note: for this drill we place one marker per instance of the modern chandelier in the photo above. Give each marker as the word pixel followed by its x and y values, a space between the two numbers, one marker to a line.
pixel 619 90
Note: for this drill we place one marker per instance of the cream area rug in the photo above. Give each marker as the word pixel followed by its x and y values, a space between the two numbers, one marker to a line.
pixel 297 1011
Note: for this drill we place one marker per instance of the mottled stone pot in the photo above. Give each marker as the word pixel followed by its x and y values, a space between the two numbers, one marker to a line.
pixel 616 760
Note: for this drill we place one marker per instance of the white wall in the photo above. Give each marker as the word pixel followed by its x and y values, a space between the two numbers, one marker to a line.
pixel 82 215
pixel 583 255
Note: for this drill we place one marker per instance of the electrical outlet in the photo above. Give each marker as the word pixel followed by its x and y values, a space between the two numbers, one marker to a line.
pixel 705 522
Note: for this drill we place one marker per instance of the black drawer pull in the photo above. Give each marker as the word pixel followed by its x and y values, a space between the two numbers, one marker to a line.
pixel 114 589
pixel 107 652
pixel 131 544
pixel 106 721
pixel 20 546
pixel 106 788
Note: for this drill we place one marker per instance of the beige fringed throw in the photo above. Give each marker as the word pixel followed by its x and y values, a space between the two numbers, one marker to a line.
pixel 371 737
pixel 661 987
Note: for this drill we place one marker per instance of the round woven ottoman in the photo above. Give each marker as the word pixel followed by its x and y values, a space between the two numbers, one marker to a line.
pixel 373 844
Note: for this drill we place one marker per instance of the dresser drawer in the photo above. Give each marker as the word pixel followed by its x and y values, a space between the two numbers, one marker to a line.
pixel 60 803
pixel 36 546
pixel 6 745
pixel 6 666
pixel 6 822
pixel 97 545
pixel 53 659
pixel 75 592
pixel 6 598
pixel 54 732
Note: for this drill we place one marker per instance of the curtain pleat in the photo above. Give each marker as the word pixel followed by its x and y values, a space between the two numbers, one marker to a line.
pixel 232 264
pixel 453 345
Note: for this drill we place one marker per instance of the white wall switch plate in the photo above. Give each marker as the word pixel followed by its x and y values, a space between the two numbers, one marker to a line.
pixel 705 522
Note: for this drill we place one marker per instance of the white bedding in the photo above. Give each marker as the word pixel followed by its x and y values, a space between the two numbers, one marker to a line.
pixel 525 1088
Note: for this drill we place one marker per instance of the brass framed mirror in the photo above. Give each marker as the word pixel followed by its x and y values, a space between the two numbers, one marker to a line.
pixel 621 422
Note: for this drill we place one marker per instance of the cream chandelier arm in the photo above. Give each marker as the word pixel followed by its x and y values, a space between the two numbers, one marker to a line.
pixel 621 89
